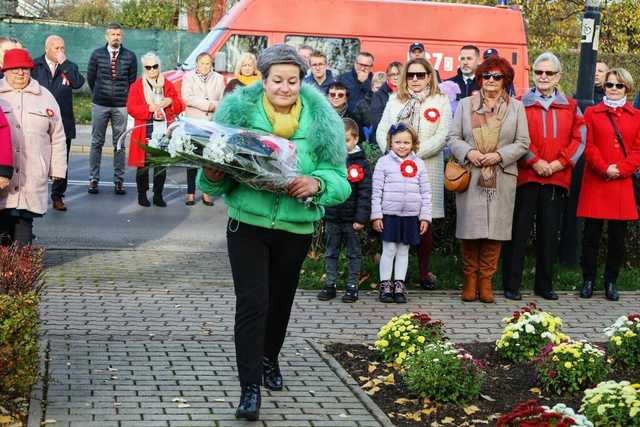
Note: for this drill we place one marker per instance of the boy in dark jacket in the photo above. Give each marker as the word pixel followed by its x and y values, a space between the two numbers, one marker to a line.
pixel 344 221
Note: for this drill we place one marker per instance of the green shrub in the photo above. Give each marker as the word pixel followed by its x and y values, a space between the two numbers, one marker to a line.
pixel 82 108
pixel 21 269
pixel 18 344
pixel 444 374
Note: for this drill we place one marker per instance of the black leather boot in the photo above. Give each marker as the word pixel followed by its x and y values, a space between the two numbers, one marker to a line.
pixel 610 291
pixel 271 376
pixel 249 406
pixel 587 289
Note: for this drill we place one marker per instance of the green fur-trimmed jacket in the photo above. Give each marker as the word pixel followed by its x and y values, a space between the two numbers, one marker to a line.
pixel 321 154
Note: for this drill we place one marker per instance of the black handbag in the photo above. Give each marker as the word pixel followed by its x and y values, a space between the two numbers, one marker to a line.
pixel 635 177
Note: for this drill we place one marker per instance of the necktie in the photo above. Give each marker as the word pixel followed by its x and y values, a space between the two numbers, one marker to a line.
pixel 113 64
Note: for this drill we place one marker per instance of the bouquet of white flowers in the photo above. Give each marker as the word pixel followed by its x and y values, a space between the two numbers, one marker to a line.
pixel 257 159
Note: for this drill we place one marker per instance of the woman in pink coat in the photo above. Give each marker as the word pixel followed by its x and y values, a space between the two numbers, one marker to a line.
pixel 6 150
pixel 39 147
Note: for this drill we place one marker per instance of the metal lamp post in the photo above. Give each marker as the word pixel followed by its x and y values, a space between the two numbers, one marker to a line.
pixel 571 241
pixel 588 53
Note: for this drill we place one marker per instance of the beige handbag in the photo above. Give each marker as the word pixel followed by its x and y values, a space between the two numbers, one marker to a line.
pixel 456 177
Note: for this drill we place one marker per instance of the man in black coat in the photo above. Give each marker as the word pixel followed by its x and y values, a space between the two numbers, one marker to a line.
pixel 465 78
pixel 60 76
pixel 358 80
pixel 111 70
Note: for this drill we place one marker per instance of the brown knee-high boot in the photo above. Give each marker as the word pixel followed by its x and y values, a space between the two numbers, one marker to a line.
pixel 470 256
pixel 489 256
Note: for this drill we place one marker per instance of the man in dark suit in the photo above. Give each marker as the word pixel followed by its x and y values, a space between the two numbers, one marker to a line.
pixel 60 76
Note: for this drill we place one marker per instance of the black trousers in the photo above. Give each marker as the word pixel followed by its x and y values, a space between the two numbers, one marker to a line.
pixel 15 229
pixel 266 268
pixel 191 180
pixel 59 187
pixel 142 180
pixel 616 232
pixel 545 204
pixel 570 237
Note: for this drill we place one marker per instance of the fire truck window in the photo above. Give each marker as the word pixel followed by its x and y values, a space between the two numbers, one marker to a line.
pixel 341 53
pixel 240 43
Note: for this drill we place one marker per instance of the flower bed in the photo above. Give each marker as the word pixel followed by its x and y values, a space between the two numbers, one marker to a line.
pixel 613 404
pixel 624 340
pixel 404 335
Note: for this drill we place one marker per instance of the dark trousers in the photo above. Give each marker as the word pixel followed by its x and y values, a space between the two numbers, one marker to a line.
pixel 424 253
pixel 59 187
pixel 616 232
pixel 15 229
pixel 191 180
pixel 142 180
pixel 266 268
pixel 337 236
pixel 545 203
pixel 570 238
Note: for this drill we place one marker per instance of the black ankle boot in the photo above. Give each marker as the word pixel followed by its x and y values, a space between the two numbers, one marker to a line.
pixel 610 291
pixel 249 406
pixel 271 376
pixel 159 201
pixel 142 200
pixel 587 289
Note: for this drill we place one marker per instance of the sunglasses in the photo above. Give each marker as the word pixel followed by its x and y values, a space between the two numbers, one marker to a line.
pixel 418 76
pixel 397 128
pixel 546 73
pixel 336 94
pixel 152 67
pixel 610 85
pixel 495 76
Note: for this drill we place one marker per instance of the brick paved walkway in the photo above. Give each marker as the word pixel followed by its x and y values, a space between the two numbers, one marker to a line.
pixel 130 332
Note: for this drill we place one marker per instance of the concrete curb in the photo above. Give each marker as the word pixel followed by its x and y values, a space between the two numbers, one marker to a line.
pixel 82 148
pixel 36 401
pixel 351 384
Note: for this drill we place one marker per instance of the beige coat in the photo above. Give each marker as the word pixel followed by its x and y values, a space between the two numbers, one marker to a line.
pixel 201 97
pixel 39 145
pixel 477 217
pixel 432 138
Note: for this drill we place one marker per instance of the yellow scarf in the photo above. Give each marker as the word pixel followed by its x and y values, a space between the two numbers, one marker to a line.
pixel 247 80
pixel 284 125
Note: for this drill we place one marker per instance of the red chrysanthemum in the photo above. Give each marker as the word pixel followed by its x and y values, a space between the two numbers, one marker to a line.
pixel 431 114
pixel 355 173
pixel 408 168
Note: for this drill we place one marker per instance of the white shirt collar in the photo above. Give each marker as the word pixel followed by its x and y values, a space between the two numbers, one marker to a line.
pixel 111 50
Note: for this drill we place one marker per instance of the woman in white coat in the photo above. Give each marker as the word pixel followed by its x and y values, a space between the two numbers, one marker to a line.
pixel 420 104
pixel 202 90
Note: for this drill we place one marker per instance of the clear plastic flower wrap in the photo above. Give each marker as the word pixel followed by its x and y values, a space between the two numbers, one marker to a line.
pixel 258 159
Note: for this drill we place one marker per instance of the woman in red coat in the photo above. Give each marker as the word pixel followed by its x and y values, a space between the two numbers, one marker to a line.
pixel 607 187
pixel 154 102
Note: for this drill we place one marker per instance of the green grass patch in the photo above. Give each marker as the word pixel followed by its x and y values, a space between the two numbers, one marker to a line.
pixel 82 108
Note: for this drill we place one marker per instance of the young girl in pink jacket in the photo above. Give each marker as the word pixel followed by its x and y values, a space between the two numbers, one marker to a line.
pixel 400 208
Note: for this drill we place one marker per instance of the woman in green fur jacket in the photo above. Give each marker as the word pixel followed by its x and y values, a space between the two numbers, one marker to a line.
pixel 269 234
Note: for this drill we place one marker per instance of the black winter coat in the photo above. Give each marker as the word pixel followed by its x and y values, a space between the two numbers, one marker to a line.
pixel 369 110
pixel 357 90
pixel 106 91
pixel 466 89
pixel 357 208
pixel 61 85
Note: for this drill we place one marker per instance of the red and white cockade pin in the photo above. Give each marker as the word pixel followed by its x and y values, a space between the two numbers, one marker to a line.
pixel 408 168
pixel 49 112
pixel 355 173
pixel 432 114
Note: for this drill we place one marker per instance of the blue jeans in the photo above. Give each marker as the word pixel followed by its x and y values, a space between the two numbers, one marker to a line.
pixel 339 235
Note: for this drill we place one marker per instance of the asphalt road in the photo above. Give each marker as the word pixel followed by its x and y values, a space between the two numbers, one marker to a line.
pixel 108 221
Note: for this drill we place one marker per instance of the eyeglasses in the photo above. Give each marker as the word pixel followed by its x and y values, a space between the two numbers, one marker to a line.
pixel 495 76
pixel 397 128
pixel 152 67
pixel 418 76
pixel 360 64
pixel 336 94
pixel 610 85
pixel 546 73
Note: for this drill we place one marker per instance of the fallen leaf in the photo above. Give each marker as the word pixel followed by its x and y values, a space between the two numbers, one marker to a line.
pixel 373 390
pixel 5 419
pixel 389 379
pixel 364 378
pixel 404 401
pixel 535 390
pixel 428 411
pixel 480 421
pixel 447 420
pixel 487 398
pixel 471 409
pixel 371 368
pixel 350 354
pixel 48 421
